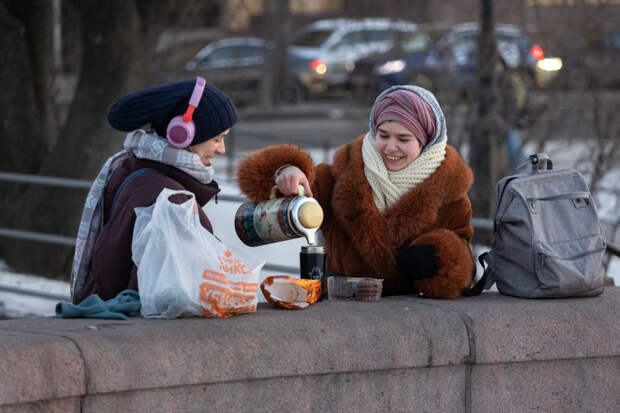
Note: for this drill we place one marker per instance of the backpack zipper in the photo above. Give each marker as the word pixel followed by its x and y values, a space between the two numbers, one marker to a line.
pixel 542 256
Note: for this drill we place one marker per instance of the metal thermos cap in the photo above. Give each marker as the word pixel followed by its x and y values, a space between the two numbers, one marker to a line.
pixel 313 249
pixel 311 215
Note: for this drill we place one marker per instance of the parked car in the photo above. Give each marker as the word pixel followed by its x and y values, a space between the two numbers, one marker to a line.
pixel 330 47
pixel 236 66
pixel 437 58
pixel 379 71
pixel 591 59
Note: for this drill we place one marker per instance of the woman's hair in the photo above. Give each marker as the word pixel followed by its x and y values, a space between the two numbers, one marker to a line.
pixel 408 109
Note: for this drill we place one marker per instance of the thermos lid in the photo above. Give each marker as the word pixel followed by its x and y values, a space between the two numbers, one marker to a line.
pixel 311 215
pixel 313 249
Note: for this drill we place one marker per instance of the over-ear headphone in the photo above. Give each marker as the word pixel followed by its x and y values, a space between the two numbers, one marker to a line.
pixel 182 129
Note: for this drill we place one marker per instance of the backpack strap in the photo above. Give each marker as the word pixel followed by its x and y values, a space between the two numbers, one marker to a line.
pixel 481 284
pixel 541 161
pixel 127 179
pixel 537 161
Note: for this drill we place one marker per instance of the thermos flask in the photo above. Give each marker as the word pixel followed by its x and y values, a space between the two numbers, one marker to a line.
pixel 278 219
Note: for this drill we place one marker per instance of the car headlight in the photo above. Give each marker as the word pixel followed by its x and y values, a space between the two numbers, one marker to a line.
pixel 391 66
pixel 318 66
pixel 549 64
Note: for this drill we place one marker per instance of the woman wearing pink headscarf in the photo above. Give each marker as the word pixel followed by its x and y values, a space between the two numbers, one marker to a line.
pixel 395 199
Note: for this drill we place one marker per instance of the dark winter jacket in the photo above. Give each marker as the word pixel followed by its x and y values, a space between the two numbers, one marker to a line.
pixel 112 269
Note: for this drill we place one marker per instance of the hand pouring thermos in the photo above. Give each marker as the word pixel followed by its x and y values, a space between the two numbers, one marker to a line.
pixel 279 219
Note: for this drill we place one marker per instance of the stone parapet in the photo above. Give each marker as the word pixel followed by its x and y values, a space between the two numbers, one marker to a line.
pixel 477 354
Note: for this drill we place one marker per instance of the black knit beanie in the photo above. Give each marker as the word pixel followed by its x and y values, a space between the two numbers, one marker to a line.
pixel 159 104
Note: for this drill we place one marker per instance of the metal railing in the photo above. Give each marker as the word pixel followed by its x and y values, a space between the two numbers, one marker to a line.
pixel 265 138
pixel 85 184
pixel 477 223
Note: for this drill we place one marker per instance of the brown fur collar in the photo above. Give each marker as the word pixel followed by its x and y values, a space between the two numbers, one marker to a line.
pixel 376 236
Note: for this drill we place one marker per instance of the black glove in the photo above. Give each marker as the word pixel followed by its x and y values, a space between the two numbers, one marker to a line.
pixel 417 261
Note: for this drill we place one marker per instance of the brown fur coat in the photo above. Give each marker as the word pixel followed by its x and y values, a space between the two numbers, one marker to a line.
pixel 361 242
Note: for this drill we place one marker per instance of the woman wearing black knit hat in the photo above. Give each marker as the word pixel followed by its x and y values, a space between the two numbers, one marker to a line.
pixel 189 121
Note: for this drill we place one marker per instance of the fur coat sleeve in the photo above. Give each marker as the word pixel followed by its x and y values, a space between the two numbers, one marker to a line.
pixel 451 241
pixel 255 172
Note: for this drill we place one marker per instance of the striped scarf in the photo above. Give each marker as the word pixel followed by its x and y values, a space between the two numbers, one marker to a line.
pixel 151 146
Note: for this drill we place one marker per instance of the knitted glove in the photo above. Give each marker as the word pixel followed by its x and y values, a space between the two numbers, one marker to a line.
pixel 126 303
pixel 417 261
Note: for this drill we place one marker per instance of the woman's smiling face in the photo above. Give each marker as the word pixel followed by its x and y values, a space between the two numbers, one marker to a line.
pixel 397 145
pixel 208 149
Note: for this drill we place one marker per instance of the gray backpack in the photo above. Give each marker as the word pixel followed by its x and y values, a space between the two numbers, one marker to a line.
pixel 547 237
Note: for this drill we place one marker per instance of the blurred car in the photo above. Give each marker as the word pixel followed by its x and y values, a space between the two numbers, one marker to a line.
pixel 591 59
pixel 436 58
pixel 379 71
pixel 325 50
pixel 236 66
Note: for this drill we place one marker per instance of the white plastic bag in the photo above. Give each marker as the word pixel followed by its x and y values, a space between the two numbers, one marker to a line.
pixel 183 270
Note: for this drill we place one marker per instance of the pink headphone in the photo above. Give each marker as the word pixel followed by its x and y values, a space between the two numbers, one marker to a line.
pixel 182 129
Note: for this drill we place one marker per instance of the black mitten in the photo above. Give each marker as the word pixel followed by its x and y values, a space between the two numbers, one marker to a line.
pixel 417 261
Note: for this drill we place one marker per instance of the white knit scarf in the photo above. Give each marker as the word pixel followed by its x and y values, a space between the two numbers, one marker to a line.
pixel 387 186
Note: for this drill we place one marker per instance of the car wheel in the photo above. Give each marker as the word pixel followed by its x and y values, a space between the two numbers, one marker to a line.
pixel 292 92
pixel 363 94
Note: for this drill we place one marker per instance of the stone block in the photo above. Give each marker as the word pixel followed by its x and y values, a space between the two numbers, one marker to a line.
pixel 435 389
pixel 66 405
pixel 486 353
pixel 579 385
pixel 38 367
pixel 328 337
pixel 508 329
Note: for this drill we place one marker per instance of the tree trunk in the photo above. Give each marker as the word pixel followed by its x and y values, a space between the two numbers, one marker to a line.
pixel 118 41
pixel 20 127
pixel 484 131
pixel 36 19
pixel 487 157
pixel 280 74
